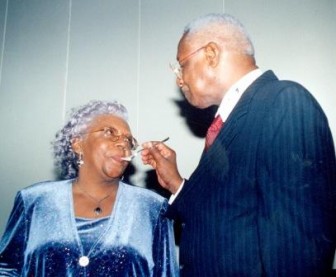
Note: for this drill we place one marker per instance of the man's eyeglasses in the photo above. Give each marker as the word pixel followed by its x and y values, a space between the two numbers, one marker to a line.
pixel 176 66
pixel 113 134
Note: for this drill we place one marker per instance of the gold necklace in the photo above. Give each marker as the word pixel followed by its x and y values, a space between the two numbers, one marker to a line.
pixel 98 210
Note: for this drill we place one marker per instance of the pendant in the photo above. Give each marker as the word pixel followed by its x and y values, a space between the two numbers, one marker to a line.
pixel 98 211
pixel 83 261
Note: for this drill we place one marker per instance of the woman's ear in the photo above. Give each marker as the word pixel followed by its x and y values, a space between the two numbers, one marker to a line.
pixel 76 145
pixel 212 52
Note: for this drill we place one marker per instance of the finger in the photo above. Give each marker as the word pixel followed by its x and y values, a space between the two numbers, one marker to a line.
pixel 145 155
pixel 165 151
pixel 155 151
pixel 146 158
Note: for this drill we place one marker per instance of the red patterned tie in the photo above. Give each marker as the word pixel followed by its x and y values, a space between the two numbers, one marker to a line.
pixel 213 131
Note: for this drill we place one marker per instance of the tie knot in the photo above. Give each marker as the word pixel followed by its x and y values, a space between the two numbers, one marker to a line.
pixel 216 124
pixel 213 131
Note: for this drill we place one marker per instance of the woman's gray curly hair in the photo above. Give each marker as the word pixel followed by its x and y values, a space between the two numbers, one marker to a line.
pixel 79 120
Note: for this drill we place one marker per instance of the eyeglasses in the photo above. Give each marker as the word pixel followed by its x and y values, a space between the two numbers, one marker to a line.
pixel 176 66
pixel 113 135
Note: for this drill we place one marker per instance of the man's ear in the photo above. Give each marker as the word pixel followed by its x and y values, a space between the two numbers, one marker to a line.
pixel 212 52
pixel 76 145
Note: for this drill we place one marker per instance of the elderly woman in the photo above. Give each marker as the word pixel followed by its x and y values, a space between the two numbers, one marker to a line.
pixel 91 223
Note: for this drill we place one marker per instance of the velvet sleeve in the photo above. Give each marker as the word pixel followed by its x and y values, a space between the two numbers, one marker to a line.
pixel 164 247
pixel 13 242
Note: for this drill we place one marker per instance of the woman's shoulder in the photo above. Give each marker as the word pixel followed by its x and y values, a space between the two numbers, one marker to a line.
pixel 44 187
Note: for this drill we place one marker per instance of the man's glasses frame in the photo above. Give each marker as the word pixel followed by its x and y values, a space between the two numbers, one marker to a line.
pixel 176 67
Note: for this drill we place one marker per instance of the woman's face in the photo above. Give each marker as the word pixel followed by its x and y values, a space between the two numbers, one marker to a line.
pixel 103 145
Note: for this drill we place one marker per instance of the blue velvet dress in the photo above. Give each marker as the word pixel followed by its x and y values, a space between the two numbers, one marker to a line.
pixel 43 237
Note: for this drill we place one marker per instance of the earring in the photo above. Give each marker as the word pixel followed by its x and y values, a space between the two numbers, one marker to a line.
pixel 80 160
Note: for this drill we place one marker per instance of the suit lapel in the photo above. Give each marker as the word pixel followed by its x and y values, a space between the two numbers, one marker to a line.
pixel 237 118
pixel 231 128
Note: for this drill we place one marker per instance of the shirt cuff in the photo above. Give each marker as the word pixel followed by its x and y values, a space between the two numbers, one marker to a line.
pixel 173 196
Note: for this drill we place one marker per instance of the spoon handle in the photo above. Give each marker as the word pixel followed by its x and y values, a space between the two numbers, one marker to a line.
pixel 167 138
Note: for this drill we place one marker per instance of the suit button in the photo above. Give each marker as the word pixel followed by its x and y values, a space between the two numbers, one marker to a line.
pixel 181 266
pixel 183 225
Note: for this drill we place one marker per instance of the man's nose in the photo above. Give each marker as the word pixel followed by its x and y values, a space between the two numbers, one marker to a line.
pixel 179 82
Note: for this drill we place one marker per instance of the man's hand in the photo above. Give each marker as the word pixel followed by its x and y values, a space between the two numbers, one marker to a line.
pixel 163 160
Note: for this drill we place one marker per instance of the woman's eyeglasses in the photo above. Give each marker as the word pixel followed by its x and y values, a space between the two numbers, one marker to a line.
pixel 113 134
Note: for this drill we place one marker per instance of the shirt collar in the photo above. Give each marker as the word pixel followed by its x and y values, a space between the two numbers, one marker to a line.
pixel 233 95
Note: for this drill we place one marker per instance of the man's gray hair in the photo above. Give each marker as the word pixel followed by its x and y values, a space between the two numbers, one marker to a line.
pixel 223 29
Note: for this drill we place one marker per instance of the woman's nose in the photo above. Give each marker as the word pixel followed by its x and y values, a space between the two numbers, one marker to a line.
pixel 123 143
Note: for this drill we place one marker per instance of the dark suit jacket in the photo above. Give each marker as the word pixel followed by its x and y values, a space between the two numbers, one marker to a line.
pixel 262 200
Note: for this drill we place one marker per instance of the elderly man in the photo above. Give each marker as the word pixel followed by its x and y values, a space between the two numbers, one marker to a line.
pixel 262 199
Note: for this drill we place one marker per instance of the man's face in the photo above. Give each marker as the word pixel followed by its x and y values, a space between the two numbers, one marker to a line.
pixel 196 76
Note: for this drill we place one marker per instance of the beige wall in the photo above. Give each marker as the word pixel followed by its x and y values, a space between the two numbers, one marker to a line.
pixel 58 54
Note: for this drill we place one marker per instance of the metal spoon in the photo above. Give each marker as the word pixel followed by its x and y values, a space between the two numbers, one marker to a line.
pixel 135 153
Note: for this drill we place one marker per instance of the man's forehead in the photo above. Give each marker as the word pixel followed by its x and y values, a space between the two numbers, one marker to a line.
pixel 185 43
